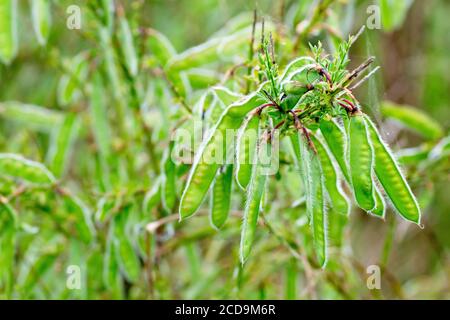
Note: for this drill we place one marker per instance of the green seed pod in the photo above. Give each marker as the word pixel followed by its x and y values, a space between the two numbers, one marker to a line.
pixel 246 141
pixel 160 47
pixel 221 196
pixel 337 143
pixel 8 31
pixel 152 197
pixel 360 159
pixel 61 144
pixel 69 84
pixel 295 153
pixel 31 116
pixel 108 11
pixel 127 46
pixel 8 233
pixel 103 208
pixel 251 212
pixel 213 50
pixel 289 102
pixel 291 279
pixel 40 267
pixel 391 178
pixel 216 109
pixel 82 217
pixel 339 201
pixel 111 272
pixel 125 254
pixel 413 119
pixel 296 88
pixel 169 193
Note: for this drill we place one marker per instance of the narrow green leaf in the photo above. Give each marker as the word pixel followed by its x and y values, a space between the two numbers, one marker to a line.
pixel 31 116
pixel 337 143
pixel 226 96
pixel 242 20
pixel 16 166
pixel 8 31
pixel 380 205
pixel 41 17
pixel 61 144
pixel 125 254
pixel 202 78
pixel 180 83
pixel 391 178
pixel 291 280
pixel 108 13
pixel 441 151
pixel 110 63
pixel 42 264
pixel 79 213
pixel 360 159
pixel 78 258
pixel 339 201
pixel 127 46
pixel 103 208
pixel 413 119
pixel 100 126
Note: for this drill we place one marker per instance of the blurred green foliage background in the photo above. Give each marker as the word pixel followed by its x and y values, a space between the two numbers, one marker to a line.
pixel 192 260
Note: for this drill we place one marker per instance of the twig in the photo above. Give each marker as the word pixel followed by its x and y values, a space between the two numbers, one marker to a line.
pixel 360 82
pixel 355 73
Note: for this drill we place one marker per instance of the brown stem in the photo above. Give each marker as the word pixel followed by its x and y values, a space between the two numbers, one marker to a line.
pixel 356 72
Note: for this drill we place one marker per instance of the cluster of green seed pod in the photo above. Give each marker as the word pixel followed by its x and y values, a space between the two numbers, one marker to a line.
pixel 333 143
